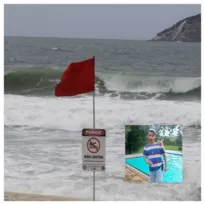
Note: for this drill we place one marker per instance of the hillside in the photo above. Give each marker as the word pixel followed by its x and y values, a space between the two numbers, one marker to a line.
pixel 186 30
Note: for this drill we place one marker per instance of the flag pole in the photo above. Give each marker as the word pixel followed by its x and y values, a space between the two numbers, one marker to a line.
pixel 94 128
pixel 94 97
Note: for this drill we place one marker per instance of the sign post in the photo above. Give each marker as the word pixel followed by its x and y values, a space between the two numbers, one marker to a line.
pixel 94 128
pixel 93 151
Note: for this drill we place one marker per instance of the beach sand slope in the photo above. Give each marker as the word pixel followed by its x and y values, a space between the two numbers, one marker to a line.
pixel 12 196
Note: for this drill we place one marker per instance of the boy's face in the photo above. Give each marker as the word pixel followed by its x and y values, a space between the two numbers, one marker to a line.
pixel 151 136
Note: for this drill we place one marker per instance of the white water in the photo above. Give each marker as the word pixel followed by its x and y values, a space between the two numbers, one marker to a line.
pixel 41 158
pixel 150 84
pixel 74 114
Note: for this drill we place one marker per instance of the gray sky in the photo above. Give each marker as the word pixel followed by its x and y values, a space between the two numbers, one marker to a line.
pixel 93 21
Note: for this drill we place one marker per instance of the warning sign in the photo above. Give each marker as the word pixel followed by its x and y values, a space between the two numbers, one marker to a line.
pixel 93 145
pixel 93 149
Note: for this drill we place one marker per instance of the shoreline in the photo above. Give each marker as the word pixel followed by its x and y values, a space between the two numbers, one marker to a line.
pixel 14 196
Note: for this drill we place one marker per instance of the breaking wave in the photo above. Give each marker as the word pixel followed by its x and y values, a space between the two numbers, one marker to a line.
pixel 42 81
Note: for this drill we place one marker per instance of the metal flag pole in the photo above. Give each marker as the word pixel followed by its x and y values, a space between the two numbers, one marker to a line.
pixel 94 128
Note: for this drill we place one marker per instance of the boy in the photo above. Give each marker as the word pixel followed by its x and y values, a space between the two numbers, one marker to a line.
pixel 152 153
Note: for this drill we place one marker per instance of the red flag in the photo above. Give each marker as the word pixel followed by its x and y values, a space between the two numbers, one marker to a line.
pixel 78 78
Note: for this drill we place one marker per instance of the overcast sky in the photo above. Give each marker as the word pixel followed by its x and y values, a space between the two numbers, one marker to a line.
pixel 93 21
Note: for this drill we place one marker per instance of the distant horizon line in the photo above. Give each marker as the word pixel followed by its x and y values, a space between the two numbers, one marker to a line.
pixel 82 38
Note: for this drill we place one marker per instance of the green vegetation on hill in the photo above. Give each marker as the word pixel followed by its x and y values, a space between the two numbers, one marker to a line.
pixel 185 30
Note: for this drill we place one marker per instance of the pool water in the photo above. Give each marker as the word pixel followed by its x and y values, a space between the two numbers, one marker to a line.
pixel 174 163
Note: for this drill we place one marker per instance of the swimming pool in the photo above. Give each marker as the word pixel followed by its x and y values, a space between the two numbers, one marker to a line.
pixel 174 163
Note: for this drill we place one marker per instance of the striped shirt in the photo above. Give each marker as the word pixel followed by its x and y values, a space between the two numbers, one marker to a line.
pixel 154 152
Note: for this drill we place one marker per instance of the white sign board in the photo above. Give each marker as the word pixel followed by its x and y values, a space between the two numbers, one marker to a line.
pixel 93 149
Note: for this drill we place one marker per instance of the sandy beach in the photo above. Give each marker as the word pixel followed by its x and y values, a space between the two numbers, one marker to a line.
pixel 12 196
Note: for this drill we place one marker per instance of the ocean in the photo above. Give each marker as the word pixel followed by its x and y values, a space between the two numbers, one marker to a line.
pixel 137 82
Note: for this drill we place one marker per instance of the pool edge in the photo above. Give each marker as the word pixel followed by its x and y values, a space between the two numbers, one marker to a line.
pixel 141 155
pixel 141 174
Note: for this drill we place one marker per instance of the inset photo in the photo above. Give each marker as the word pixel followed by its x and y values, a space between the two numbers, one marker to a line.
pixel 153 153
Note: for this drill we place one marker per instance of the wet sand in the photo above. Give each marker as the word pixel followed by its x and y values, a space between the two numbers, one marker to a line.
pixel 12 196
